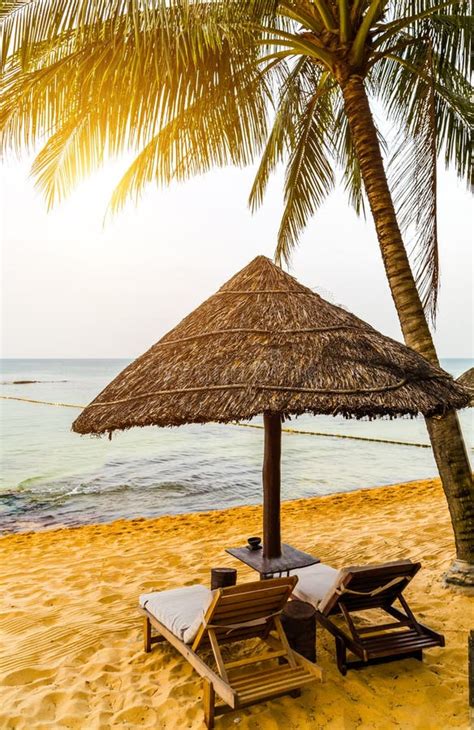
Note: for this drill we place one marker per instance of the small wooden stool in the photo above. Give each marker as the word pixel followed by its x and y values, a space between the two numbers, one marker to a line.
pixel 299 622
pixel 223 577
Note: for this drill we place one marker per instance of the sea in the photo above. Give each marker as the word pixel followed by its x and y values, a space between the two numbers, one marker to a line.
pixel 52 477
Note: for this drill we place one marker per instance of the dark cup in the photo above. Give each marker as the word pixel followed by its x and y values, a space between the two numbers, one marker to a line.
pixel 254 543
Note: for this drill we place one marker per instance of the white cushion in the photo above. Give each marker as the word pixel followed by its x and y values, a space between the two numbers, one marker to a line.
pixel 181 610
pixel 314 582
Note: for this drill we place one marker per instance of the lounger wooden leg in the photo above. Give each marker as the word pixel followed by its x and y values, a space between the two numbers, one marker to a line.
pixel 341 655
pixel 146 634
pixel 209 703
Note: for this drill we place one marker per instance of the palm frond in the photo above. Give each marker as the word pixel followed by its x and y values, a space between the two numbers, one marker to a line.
pixel 26 24
pixel 309 174
pixel 205 85
pixel 61 159
pixel 283 132
pixel 214 131
pixel 398 79
pixel 186 85
pixel 413 174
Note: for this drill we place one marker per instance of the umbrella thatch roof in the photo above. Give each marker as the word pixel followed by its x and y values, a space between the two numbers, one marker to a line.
pixel 467 381
pixel 265 343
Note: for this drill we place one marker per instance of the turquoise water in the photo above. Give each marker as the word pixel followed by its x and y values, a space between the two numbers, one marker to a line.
pixel 51 476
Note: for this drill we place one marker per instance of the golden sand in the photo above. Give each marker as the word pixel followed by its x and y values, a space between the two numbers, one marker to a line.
pixel 71 635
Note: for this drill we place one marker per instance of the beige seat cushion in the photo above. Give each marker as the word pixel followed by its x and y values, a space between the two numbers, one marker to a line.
pixel 315 582
pixel 181 610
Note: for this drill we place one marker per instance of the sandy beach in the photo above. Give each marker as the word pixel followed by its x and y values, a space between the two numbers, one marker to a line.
pixel 72 655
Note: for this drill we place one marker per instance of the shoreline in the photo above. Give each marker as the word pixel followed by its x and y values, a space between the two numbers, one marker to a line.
pixel 72 653
pixel 208 512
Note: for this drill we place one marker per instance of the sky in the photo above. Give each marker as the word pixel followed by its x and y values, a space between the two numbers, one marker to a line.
pixel 76 286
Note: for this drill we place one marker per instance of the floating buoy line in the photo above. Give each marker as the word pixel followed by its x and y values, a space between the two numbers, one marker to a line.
pixel 322 434
pixel 325 434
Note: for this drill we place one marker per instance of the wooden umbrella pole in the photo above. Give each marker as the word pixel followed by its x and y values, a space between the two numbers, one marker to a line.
pixel 271 485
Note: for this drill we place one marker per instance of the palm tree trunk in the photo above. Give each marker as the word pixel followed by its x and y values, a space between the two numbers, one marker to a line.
pixel 445 433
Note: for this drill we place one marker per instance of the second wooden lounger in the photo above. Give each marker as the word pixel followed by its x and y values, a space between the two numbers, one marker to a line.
pixel 194 619
pixel 364 588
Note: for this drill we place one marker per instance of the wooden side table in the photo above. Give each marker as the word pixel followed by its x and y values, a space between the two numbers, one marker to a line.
pixel 289 559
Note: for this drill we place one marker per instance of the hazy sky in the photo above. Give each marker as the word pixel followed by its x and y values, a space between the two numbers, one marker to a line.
pixel 74 287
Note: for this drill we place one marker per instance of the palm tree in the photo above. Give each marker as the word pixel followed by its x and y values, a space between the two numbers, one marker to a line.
pixel 191 85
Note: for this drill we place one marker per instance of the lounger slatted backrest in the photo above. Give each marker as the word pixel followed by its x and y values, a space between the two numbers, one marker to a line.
pixel 364 587
pixel 245 611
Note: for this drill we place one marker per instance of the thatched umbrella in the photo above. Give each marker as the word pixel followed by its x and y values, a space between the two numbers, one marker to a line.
pixel 266 344
pixel 467 381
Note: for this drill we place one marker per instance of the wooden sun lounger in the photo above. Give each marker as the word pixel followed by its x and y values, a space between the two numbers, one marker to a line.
pixel 247 611
pixel 375 587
